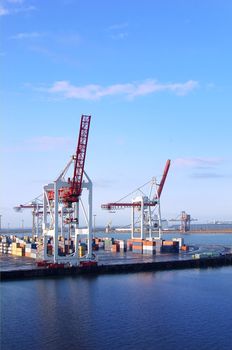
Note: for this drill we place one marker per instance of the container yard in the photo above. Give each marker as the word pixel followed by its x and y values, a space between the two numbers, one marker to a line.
pixel 21 257
pixel 33 248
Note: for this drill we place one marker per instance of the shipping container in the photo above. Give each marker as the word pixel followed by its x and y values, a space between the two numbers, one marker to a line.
pixel 115 248
pixel 169 249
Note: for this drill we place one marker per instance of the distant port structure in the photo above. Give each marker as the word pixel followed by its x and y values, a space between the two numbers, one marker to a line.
pixel 185 221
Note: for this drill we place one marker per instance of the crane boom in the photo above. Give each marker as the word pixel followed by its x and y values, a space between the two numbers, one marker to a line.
pixel 161 185
pixel 152 203
pixel 71 193
pixel 80 156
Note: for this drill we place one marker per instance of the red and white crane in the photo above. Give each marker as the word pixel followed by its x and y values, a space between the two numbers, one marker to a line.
pixel 70 194
pixel 62 200
pixel 143 204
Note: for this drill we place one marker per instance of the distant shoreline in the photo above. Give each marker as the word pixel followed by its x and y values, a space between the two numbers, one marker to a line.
pixel 199 231
pixel 225 231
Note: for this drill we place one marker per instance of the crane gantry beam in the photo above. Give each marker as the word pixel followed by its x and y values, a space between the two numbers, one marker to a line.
pixel 113 206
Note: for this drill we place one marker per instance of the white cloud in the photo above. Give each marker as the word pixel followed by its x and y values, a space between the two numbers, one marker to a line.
pixel 15 1
pixel 130 90
pixel 197 162
pixel 68 39
pixel 48 143
pixel 117 31
pixel 24 9
pixel 41 143
pixel 28 35
pixel 9 7
pixel 118 26
pixel 119 36
pixel 211 175
pixel 3 11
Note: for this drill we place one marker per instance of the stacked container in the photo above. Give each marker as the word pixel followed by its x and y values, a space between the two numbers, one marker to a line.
pixel 115 247
pixel 9 249
pixel 129 244
pixel 122 245
pixel 99 242
pixel 28 250
pixel 108 243
pixel 149 247
pixel 185 248
pixel 5 245
pixel 180 240
pixel 49 249
pixel 137 246
pixel 169 247
pixel 95 245
pixel 31 250
pixel 101 245
pixel 158 243
pixel 82 249
pixel 19 250
pixel 13 248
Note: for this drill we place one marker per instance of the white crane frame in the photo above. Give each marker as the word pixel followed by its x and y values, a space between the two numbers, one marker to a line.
pixel 56 209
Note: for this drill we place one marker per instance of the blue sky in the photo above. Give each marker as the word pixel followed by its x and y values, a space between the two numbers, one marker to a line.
pixel 154 75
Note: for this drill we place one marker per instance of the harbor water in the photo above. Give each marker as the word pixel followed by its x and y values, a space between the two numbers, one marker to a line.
pixel 154 310
pixel 163 310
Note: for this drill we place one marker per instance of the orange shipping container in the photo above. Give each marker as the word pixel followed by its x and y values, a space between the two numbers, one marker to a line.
pixel 115 248
pixel 184 248
pixel 167 242
pixel 149 243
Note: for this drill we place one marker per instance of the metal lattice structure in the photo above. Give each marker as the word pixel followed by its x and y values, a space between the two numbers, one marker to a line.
pixel 80 156
pixel 70 194
pixel 144 205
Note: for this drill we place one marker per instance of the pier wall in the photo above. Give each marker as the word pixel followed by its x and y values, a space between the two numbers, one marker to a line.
pixel 119 268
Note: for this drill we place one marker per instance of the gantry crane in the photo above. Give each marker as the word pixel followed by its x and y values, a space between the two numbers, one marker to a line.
pixel 62 200
pixel 143 204
pixel 36 207
pixel 185 221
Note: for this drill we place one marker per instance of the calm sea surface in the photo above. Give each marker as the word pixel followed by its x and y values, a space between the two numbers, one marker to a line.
pixel 189 309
